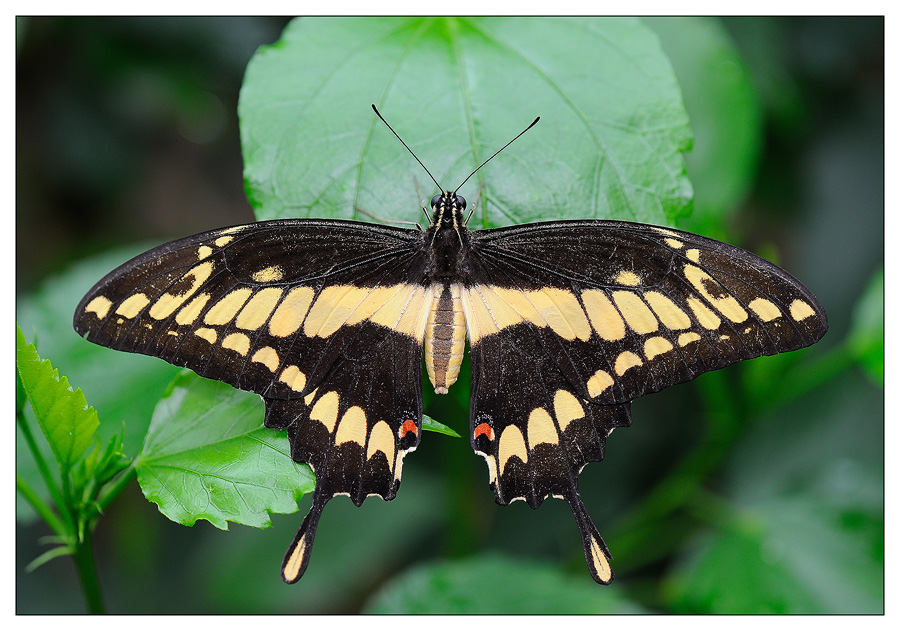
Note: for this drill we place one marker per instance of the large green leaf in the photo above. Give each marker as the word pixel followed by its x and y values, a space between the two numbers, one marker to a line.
pixel 206 456
pixel 609 144
pixel 65 418
pixel 495 585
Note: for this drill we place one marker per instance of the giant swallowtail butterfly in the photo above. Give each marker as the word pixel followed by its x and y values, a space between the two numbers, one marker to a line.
pixel 568 322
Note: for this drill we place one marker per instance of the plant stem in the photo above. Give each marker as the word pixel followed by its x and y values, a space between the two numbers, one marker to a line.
pixel 87 573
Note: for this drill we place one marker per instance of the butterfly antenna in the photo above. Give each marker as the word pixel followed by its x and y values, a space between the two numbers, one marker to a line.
pixel 407 146
pixel 533 123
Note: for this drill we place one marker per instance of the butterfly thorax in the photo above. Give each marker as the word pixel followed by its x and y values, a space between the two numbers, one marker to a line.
pixel 446 238
pixel 447 243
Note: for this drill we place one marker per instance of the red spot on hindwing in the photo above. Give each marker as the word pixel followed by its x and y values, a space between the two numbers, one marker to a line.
pixel 485 429
pixel 408 426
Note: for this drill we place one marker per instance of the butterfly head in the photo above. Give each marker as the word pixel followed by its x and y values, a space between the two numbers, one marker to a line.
pixel 447 209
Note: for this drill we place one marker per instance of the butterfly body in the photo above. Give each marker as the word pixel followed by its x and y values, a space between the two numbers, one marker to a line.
pixel 568 322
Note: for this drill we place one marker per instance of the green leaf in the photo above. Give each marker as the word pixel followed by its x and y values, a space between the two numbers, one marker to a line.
pixel 609 144
pixel 431 425
pixel 207 456
pixel 64 416
pixel 726 116
pixel 495 585
pixel 866 338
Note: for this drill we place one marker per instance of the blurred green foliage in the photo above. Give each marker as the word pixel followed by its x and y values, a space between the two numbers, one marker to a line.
pixel 755 489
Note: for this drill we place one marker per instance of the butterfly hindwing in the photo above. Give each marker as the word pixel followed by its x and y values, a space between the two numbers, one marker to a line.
pixel 536 432
pixel 355 428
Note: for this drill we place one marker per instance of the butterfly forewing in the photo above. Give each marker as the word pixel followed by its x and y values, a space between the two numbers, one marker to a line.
pixel 626 309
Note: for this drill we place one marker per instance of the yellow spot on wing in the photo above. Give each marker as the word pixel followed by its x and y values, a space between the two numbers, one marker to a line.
pixel 190 312
pixel 604 317
pixel 289 315
pixel 693 254
pixel 203 251
pixel 674 243
pixel 268 357
pixel 269 274
pixel 492 312
pixel 132 305
pixel 765 309
pixel 599 382
pixel 541 428
pixel 352 427
pixel 166 304
pixel 381 439
pixel 99 305
pixel 656 346
pixel 801 310
pixel 369 300
pixel 257 310
pixel 328 313
pixel 724 302
pixel 415 315
pixel 562 311
pixel 566 408
pixel 686 338
pixel 223 311
pixel 512 443
pixel 295 560
pixel 238 342
pixel 629 278
pixel 222 241
pixel 706 318
pixel 625 361
pixel 600 562
pixel 667 311
pixel 326 409
pixel 636 313
pixel 207 334
pixel 519 302
pixel 294 378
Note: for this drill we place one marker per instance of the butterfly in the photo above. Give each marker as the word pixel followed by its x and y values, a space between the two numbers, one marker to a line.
pixel 567 323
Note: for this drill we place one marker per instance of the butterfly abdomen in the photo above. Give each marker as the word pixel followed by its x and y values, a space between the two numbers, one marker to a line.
pixel 445 338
